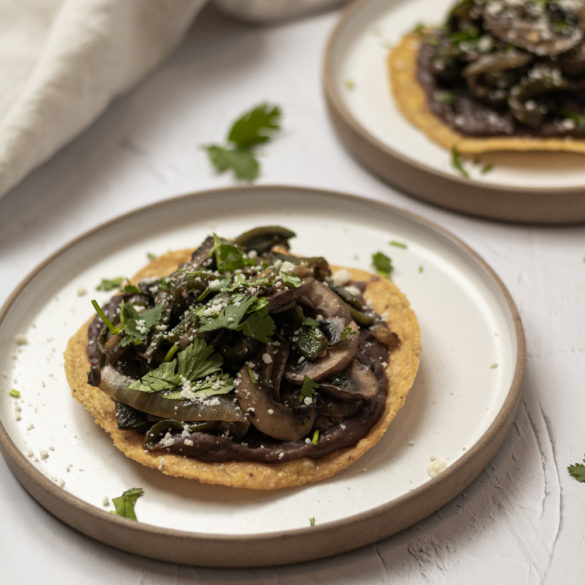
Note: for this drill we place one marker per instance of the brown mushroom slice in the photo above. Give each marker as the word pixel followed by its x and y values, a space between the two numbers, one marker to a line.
pixel 537 33
pixel 336 359
pixel 215 408
pixel 336 316
pixel 357 383
pixel 286 299
pixel 269 416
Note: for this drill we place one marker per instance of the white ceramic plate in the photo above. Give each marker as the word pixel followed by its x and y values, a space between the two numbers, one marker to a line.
pixel 458 411
pixel 358 90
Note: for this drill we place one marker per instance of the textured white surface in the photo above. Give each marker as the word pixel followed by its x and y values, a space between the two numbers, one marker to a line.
pixel 519 523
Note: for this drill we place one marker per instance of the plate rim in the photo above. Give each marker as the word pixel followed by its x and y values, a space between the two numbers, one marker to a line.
pixel 368 150
pixel 285 546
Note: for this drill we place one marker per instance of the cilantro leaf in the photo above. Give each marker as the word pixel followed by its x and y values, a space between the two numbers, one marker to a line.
pixel 125 503
pixel 198 360
pixel 382 264
pixel 259 325
pixel 137 324
pixel 161 378
pixel 227 256
pixel 310 322
pixel 578 471
pixel 108 284
pixel 308 389
pixel 347 331
pixel 457 163
pixel 255 126
pixel 241 161
pixel 290 279
pixel 210 386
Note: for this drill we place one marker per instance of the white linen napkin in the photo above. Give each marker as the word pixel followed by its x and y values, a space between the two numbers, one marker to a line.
pixel 63 61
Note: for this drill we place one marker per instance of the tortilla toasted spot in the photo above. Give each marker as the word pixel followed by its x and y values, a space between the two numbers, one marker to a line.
pixel 412 101
pixel 401 371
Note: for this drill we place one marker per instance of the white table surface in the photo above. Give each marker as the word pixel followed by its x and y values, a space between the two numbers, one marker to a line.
pixel 520 522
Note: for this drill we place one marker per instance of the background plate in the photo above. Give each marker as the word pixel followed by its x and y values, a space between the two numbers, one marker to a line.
pixel 457 413
pixel 526 187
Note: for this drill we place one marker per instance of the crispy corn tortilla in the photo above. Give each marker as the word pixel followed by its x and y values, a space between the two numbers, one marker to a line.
pixel 412 101
pixel 385 298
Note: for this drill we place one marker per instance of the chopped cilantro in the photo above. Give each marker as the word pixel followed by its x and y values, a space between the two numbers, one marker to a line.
pixel 315 439
pixel 137 324
pixel 312 520
pixel 227 256
pixel 579 119
pixel 108 284
pixel 349 84
pixel 577 471
pixel 171 353
pixel 457 163
pixel 347 331
pixel 259 325
pixel 397 244
pixel 308 389
pixel 254 127
pixel 252 376
pixel 241 161
pixel 14 393
pixel 310 322
pixel 290 279
pixel 445 97
pixel 162 378
pixel 164 283
pixel 125 503
pixel 113 329
pixel 210 386
pixel 486 169
pixel 198 360
pixel 151 256
pixel 421 269
pixel 382 264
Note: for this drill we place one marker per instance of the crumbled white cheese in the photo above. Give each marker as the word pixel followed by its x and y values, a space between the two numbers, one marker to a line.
pixel 341 277
pixel 267 358
pixel 436 465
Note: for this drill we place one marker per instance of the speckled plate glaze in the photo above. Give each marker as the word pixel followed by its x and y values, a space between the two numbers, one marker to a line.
pixel 455 418
pixel 523 187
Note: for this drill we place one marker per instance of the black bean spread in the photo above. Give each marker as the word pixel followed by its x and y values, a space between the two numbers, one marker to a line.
pixel 508 68
pixel 245 352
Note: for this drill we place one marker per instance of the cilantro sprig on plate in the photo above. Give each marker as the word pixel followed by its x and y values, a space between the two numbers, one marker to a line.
pixel 254 127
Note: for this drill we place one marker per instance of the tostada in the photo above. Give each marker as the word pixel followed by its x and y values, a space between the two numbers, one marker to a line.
pixel 243 365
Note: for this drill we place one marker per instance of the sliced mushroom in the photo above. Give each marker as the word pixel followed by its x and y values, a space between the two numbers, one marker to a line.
pixel 535 26
pixel 336 318
pixel 264 238
pixel 270 416
pixel 286 299
pixel 200 256
pixel 357 383
pixel 217 408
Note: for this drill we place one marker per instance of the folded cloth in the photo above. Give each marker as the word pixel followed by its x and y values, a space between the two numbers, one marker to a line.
pixel 63 61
